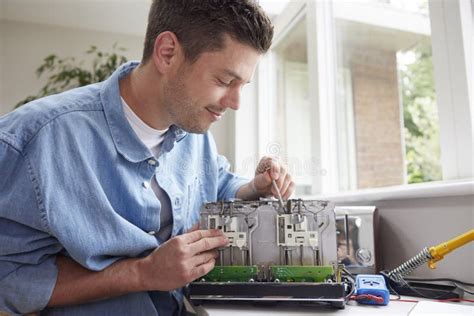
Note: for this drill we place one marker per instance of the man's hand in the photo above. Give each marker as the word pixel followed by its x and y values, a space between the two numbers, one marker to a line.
pixel 268 169
pixel 181 260
pixel 177 262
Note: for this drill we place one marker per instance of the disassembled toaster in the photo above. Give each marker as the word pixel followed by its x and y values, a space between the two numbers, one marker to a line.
pixel 275 253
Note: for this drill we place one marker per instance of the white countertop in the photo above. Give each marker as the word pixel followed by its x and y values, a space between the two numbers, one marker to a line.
pixel 352 308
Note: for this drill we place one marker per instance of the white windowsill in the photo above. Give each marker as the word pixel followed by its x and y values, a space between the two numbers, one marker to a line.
pixel 411 191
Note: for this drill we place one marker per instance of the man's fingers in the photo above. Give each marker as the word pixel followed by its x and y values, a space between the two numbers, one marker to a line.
pixel 270 165
pixel 264 165
pixel 204 268
pixel 275 170
pixel 270 169
pixel 208 243
pixel 196 235
pixel 204 257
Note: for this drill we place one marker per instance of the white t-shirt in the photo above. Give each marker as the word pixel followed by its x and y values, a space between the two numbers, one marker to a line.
pixel 152 138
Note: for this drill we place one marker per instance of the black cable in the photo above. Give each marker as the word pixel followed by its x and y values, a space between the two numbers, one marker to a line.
pixel 453 282
pixel 348 273
pixel 462 289
pixel 405 283
pixel 390 288
pixel 439 297
pixel 349 276
pixel 393 292
pixel 348 296
pixel 438 280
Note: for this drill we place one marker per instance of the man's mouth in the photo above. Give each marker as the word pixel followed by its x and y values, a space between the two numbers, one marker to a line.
pixel 216 115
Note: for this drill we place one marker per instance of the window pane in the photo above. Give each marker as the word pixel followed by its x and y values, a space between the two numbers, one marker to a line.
pixel 386 103
pixel 293 106
pixel 420 114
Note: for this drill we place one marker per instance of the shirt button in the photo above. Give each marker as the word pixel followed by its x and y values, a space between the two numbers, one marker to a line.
pixel 146 184
pixel 177 202
pixel 152 162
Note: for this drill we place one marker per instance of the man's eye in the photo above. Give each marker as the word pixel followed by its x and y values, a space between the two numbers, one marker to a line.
pixel 223 83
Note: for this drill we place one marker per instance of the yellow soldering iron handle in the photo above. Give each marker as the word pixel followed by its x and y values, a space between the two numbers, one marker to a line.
pixel 437 252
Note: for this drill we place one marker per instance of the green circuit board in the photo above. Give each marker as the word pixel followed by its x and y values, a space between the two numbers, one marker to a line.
pixel 232 274
pixel 301 273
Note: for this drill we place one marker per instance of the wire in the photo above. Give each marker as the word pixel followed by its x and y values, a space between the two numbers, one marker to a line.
pixel 441 301
pixel 348 296
pixel 397 298
pixel 348 273
pixel 462 288
pixel 439 297
pixel 405 282
pixel 438 280
pixel 390 288
pixel 406 301
pixel 456 300
pixel 454 282
pixel 363 298
pixel 349 276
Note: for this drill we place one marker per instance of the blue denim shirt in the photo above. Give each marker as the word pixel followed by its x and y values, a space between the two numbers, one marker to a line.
pixel 74 180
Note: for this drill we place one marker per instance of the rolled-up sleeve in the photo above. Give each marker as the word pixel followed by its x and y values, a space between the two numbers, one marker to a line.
pixel 27 251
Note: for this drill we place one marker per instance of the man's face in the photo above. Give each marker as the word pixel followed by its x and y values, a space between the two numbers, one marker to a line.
pixel 199 94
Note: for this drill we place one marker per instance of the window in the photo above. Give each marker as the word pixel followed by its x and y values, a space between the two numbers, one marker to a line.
pixel 293 105
pixel 386 108
pixel 361 95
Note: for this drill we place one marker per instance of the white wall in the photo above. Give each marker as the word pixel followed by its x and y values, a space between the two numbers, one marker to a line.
pixel 114 16
pixel 25 45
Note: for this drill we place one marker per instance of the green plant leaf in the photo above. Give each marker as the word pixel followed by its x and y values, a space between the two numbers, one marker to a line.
pixel 66 73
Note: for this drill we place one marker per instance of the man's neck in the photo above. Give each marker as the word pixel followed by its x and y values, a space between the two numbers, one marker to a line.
pixel 141 91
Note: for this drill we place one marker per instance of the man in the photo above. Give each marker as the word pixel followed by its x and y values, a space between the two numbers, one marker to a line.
pixel 100 187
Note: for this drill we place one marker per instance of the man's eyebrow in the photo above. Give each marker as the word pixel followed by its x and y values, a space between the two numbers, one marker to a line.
pixel 235 75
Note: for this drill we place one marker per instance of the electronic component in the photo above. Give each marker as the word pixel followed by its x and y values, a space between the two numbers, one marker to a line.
pixel 371 289
pixel 275 253
pixel 301 273
pixel 232 273
pixel 229 226
pixel 293 232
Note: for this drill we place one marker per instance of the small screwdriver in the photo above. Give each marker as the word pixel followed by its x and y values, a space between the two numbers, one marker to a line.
pixel 275 187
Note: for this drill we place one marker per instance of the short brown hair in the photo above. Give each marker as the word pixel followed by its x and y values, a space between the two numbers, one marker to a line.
pixel 200 25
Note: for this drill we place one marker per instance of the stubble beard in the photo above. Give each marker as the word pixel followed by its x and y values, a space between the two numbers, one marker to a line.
pixel 184 111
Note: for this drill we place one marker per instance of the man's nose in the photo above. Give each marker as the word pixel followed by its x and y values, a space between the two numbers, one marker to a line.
pixel 232 99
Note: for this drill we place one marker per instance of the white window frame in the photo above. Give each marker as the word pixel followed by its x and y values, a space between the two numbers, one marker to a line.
pixel 267 83
pixel 322 80
pixel 321 61
pixel 452 34
pixel 451 38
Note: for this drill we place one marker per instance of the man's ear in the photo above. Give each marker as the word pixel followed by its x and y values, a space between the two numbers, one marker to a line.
pixel 167 52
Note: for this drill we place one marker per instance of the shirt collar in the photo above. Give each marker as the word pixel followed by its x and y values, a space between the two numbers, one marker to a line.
pixel 125 139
